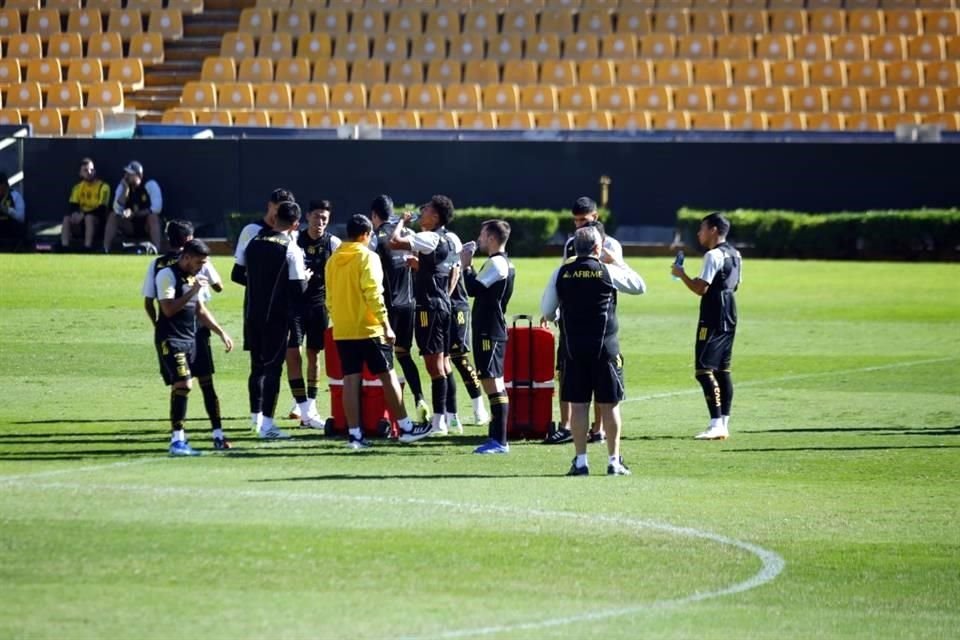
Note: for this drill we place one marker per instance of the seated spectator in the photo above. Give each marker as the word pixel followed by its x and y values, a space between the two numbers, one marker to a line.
pixel 13 228
pixel 137 206
pixel 89 205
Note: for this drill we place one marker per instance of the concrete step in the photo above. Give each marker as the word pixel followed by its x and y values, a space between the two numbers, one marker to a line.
pixel 220 5
pixel 173 73
pixel 194 49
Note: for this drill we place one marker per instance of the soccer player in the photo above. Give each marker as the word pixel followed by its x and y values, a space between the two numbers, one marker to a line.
pixel 491 290
pixel 718 280
pixel 437 264
pixel 310 323
pixel 584 290
pixel 89 200
pixel 178 287
pixel 179 233
pixel 460 344
pixel 362 330
pixel 398 295
pixel 276 279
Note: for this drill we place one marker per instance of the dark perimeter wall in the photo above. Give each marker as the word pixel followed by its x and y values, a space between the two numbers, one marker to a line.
pixel 204 180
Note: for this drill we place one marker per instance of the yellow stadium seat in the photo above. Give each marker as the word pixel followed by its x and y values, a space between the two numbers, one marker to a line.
pixel 515 120
pixel 828 73
pixel 148 47
pixel 861 4
pixel 774 46
pixel 480 21
pixel 369 72
pixel 849 47
pixel 43 22
pixel 26 95
pixel 592 120
pixel 418 4
pixel 477 120
pixel 674 4
pixel 129 73
pixel 863 122
pixel 343 4
pixel 904 73
pixel 363 119
pixel 768 98
pixel 892 120
pixel 24 46
pixel 735 47
pixel 10 116
pixel 711 72
pixel 445 72
pixel 85 123
pixel 145 6
pixel 292 70
pixel 520 21
pixel 670 120
pixel 543 97
pixel 675 21
pixel 949 121
pixel 219 69
pixel 520 72
pixel 927 47
pixel 179 116
pixel 369 21
pixel 235 95
pixel 595 21
pixel 237 45
pixel 558 72
pixel 884 99
pixel 105 45
pixel 813 46
pixel 750 72
pixel 275 46
pixel 467 46
pixel 272 95
pixel 501 97
pixel 865 73
pixel 634 21
pixel 827 21
pixel 330 71
pixel 659 45
pixel 480 72
pixel 953 47
pixel 923 99
pixel 789 73
pixel 945 22
pixel 408 22
pixel 126 22
pixel 596 72
pixel 747 121
pixel 324 119
pixel 749 22
pixel 825 122
pixel 251 119
pixel 463 96
pixel 256 21
pixel 505 47
pixel 103 5
pixel 442 22
pixel 553 121
pixel 186 7
pixel 106 95
pixel 672 72
pixel 692 99
pixel 905 21
pixel 786 122
pixel 352 46
pixel 425 97
pixel 846 99
pixel 791 21
pixel 405 72
pixel 254 70
pixel 386 96
pixel 333 22
pixel 44 71
pixel 199 95
pixel 311 97
pixel 617 46
pixel 695 46
pixel 296 22
pixel 348 95
pixel 631 120
pixel 569 5
pixel 867 21
pixel 86 22
pixel 898 4
pixel 438 120
pixel 543 46
pixel 85 70
pixel 62 6
pixel 46 122
pixel 559 21
pixel 64 95
pixel 400 119
pixel 711 4
pixel 652 98
pixel 65 45
pixel 391 47
pixel 888 47
pixel 713 22
pixel 633 72
pixel 315 46
pixel 614 99
pixel 730 98
pixel 941 74
pixel 429 46
pixel 705 121
pixel 215 118
pixel 581 46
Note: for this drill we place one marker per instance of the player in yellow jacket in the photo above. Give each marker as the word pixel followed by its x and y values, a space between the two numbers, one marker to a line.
pixel 361 330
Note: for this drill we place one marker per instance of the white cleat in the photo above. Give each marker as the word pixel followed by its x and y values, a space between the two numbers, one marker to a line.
pixel 416 432
pixel 312 422
pixel 455 426
pixel 482 416
pixel 273 433
pixel 294 413
pixel 713 433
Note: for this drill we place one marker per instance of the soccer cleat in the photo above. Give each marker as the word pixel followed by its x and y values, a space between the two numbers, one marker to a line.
pixel 455 426
pixel 256 422
pixel 713 433
pixel 423 410
pixel 492 446
pixel 180 448
pixel 441 428
pixel 560 436
pixel 482 416
pixel 597 436
pixel 357 443
pixel 294 413
pixel 312 422
pixel 416 432
pixel 617 468
pixel 221 444
pixel 272 434
pixel 578 471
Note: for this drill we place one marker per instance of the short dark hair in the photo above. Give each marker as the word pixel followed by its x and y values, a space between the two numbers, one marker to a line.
pixel 178 231
pixel 357 225
pixel 584 205
pixel 320 204
pixel 196 248
pixel 444 208
pixel 718 221
pixel 281 195
pixel 382 207
pixel 84 161
pixel 288 213
pixel 499 229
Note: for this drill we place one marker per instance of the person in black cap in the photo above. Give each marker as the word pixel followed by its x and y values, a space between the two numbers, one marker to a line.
pixel 12 214
pixel 137 206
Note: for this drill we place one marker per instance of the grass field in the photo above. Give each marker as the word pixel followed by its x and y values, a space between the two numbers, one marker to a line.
pixel 831 511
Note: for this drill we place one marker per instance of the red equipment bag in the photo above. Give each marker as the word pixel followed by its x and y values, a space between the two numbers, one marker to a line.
pixel 375 420
pixel 528 374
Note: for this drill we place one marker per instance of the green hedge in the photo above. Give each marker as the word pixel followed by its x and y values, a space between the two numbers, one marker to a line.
pixel 922 233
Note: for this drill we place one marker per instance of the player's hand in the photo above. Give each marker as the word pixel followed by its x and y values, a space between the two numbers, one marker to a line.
pixel 413 263
pixel 608 257
pixel 407 217
pixel 227 341
pixel 544 323
pixel 389 335
pixel 126 214
pixel 308 273
pixel 199 282
pixel 677 271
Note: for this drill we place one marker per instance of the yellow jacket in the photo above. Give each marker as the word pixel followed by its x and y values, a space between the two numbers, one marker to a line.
pixel 354 280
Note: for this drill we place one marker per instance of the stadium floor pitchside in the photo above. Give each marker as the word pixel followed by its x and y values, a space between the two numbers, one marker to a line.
pixel 830 512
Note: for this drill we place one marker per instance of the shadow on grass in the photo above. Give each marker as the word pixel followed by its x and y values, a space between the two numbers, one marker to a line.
pixel 160 420
pixel 410 476
pixel 851 448
pixel 895 431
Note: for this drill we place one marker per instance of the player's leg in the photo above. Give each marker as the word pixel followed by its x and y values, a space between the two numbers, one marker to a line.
pixel 706 362
pixel 577 389
pixel 176 363
pixel 562 434
pixel 155 230
pixel 91 222
pixel 725 380
pixel 489 356
pixel 255 390
pixel 110 231
pixel 203 370
pixel 272 357
pixel 294 362
pixel 66 231
pixel 379 360
pixel 431 340
pixel 608 396
pixel 460 359
pixel 402 321
pixel 351 361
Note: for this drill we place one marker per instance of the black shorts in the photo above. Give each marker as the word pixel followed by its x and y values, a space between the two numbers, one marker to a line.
pixel 460 330
pixel 373 352
pixel 401 320
pixel 202 363
pixel 714 349
pixel 599 379
pixel 488 356
pixel 310 325
pixel 433 330
pixel 175 360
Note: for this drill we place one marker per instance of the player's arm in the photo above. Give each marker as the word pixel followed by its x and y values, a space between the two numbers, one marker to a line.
pixel 454 278
pixel 166 289
pixel 625 279
pixel 151 310
pixel 239 272
pixel 701 283
pixel 156 198
pixel 214 281
pixel 492 272
pixel 149 291
pixel 550 301
pixel 206 319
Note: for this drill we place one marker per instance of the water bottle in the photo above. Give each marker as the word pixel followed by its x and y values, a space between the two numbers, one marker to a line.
pixel 678 261
pixel 394 219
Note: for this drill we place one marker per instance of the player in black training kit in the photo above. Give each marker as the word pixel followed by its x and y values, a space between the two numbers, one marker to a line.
pixel 276 279
pixel 491 290
pixel 460 344
pixel 177 287
pixel 716 284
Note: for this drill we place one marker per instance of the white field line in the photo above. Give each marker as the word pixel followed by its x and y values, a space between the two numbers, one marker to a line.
pixel 772 564
pixel 800 376
pixel 59 472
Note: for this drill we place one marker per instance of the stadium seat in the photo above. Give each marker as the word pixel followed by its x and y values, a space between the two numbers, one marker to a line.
pixel 520 21
pixel 553 121
pixel 515 120
pixel 542 97
pixel 704 121
pixel 106 96
pixel 386 96
pixel 904 73
pixel 408 22
pixel 85 70
pixel 771 99
pixel 596 72
pixel 827 21
pixel 86 22
pixel 310 97
pixel 296 22
pixel 696 46
pixel 786 122
pixel 276 5
pixel 543 46
pixel 429 46
pixel 750 72
pixel 614 98
pixel 949 121
pixel 942 74
pixel 24 46
pixel 26 95
pixel 520 72
pixel 824 121
pixel 652 98
pixel 789 21
pixel 441 22
pixel 43 22
pixel 481 22
pixel 418 4
pixel 595 21
pixel 941 21
pixel 179 116
pixel 352 46
pixel 274 46
pixel 235 95
pixel 789 73
pixel 477 120
pixel 105 45
pixel 592 120
pixel 892 120
pixel 670 120
pixel 46 122
pixel 400 119
pixel 905 21
pixel 219 69
pixel 315 46
pixel 64 95
pixel 849 47
pixel 126 22
pixel 467 46
pixel 272 95
pixel 330 71
pixel 463 96
pixel 713 22
pixel 505 47
pixel 631 120
pixel 344 4
pixel 674 21
pixel 324 119
pixel 581 47
pixel 730 98
pixel 347 96
pixel 391 47
pixel 363 119
pixel 148 47
pixel 258 22
pixel 884 100
pixel 425 97
pixel 923 99
pixel 862 122
pixel 813 46
pixel 658 46
pixel 251 119
pixel 480 71
pixel 953 47
pixel 711 72
pixel 332 22
pixel 865 73
pixel 438 120
pixel 368 72
pixel 828 73
pixel 866 21
pixel 557 72
pixel 186 7
pixel 145 6
pixel 103 5
pixel 44 71
pixel 199 95
pixel 672 72
pixel 501 97
pixel 846 99
pixel 405 72
pixel 290 119
pixel 749 22
pixel 292 70
pixel 10 116
pixel 621 46
pixel 65 45
pixel 215 118
pixel 927 47
pixel 774 46
pixel 559 21
pixel 445 72
pixel 692 99
pixel 747 121
pixel 735 47
pixel 62 6
pixel 254 70
pixel 369 21
pixel 85 123
pixel 888 47
pixel 633 72
pixel 129 73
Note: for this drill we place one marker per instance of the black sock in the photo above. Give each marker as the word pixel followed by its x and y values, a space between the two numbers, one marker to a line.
pixel 711 391
pixel 468 374
pixel 451 404
pixel 411 374
pixel 312 389
pixel 271 390
pixel 499 411
pixel 299 390
pixel 210 401
pixel 178 408
pixel 725 382
pixel 438 394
